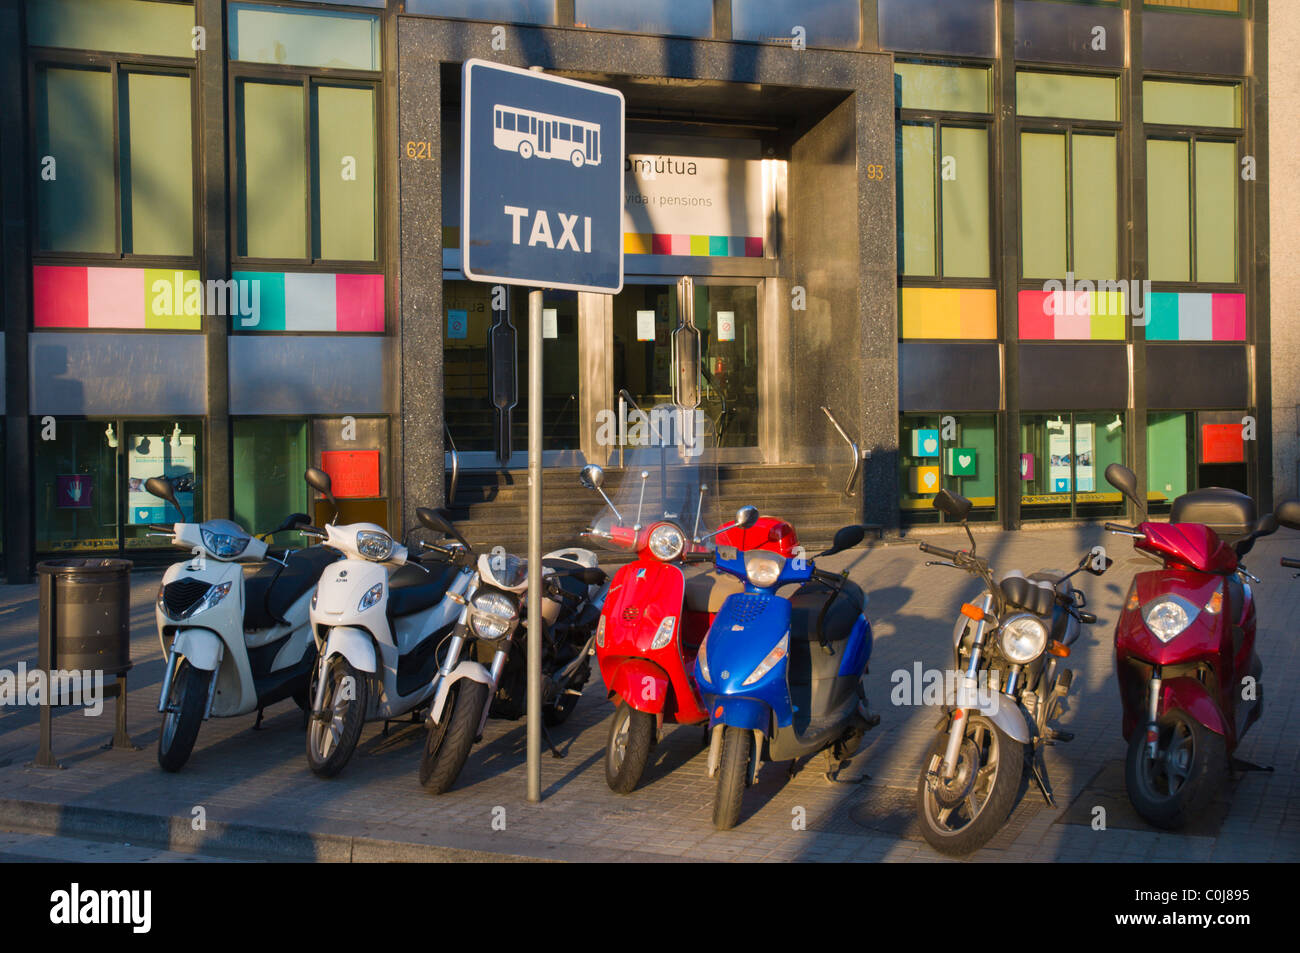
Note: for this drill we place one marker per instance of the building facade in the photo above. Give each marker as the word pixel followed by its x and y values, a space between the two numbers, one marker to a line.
pixel 993 245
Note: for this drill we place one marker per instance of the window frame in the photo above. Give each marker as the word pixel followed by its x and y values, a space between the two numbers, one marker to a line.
pixel 115 65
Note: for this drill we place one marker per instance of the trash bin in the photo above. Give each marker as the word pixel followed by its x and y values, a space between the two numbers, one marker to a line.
pixel 85 626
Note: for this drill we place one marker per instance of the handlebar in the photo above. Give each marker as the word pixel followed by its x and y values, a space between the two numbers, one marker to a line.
pixel 315 531
pixel 1290 563
pixel 939 551
pixel 1121 528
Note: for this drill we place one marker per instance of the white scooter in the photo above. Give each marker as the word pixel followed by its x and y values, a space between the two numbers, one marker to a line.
pixel 234 642
pixel 378 619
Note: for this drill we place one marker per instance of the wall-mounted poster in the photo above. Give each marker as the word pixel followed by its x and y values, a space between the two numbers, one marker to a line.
pixel 1058 459
pixel 457 324
pixel 170 456
pixel 550 323
pixel 645 325
pixel 74 491
pixel 961 461
pixel 925 443
pixel 1026 466
pixel 1222 443
pixel 353 473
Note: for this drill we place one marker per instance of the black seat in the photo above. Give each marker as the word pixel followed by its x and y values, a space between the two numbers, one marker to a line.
pixel 806 606
pixel 257 585
pixel 297 578
pixel 412 590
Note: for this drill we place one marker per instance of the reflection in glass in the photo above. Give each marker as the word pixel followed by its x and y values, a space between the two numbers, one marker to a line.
pixel 669 17
pixel 833 23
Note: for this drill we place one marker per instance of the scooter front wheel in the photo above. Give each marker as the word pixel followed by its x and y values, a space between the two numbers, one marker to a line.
pixel 1188 770
pixel 733 775
pixel 186 705
pixel 446 748
pixel 334 730
pixel 961 814
pixel 631 735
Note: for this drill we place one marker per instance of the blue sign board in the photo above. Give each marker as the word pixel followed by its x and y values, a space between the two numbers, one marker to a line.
pixel 542 175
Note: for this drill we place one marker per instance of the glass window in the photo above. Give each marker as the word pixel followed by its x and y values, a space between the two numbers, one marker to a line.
pixel 269 457
pixel 1191 104
pixel 1216 211
pixel 516 11
pixel 673 17
pixel 1067 96
pixel 961 166
pixel 114 26
pixel 1063 459
pixel 1218 6
pixel 833 23
pixel 916 201
pixel 1170 449
pixel 1069 222
pixel 343 172
pixel 1042 205
pixel 947 88
pixel 289 37
pixel 354 452
pixel 157 164
pixel 168 448
pixel 959 452
pixel 74 135
pixel 1192 223
pixel 75 479
pixel 1169 210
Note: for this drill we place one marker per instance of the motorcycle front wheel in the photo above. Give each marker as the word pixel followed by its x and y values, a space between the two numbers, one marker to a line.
pixel 1188 770
pixel 186 704
pixel 333 732
pixel 733 775
pixel 961 815
pixel 446 747
pixel 631 736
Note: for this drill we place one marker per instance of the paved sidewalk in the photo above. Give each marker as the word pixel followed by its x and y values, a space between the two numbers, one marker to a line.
pixel 255 790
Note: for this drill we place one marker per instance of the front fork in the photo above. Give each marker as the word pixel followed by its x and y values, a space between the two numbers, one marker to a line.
pixel 165 691
pixel 1153 709
pixel 966 692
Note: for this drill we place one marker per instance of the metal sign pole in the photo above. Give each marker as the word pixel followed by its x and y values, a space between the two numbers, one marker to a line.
pixel 534 545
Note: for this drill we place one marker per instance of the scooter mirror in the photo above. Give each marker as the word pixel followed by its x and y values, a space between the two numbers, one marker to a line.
pixel 952 504
pixel 1288 514
pixel 592 477
pixel 438 522
pixel 162 489
pixel 318 480
pixel 846 537
pixel 746 517
pixel 1124 480
pixel 292 521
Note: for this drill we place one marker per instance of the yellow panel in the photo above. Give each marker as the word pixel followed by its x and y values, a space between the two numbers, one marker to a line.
pixel 979 314
pixel 1107 315
pixel 925 480
pixel 635 243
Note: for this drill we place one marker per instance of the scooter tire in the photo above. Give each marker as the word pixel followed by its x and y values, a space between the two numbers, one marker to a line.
pixel 190 690
pixel 1206 774
pixel 447 750
pixel 351 720
pixel 623 775
pixel 992 814
pixel 733 775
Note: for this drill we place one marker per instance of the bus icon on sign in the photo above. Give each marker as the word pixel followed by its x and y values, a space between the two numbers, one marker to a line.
pixel 531 133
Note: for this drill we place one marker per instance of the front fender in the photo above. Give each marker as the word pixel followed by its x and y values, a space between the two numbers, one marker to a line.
pixel 1190 696
pixel 642 684
pixel 353 644
pixel 739 712
pixel 202 648
pixel 1006 714
pixel 465 669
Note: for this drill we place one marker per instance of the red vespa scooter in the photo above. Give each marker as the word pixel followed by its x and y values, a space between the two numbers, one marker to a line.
pixel 1185 657
pixel 655 614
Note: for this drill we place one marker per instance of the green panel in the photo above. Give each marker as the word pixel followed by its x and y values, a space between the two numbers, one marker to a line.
pixel 269 456
pixel 965 184
pixel 1042 205
pixel 75 189
pixel 344 159
pixel 301 38
pixel 981 434
pixel 273 173
pixel 1095 197
pixel 157 164
pixel 1191 104
pixel 1067 96
pixel 1169 210
pixel 950 88
pixel 1216 211
pixel 117 26
pixel 916 222
pixel 1168 455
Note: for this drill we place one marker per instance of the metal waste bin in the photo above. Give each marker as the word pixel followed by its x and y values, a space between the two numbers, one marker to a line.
pixel 85 626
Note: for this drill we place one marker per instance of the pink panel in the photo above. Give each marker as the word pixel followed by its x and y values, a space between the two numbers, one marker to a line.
pixel 359 302
pixel 116 297
pixel 1074 318
pixel 1229 317
pixel 1036 321
pixel 59 296
pixel 754 247
pixel 681 244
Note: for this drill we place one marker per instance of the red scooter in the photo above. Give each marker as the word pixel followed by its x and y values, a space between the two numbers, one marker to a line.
pixel 1189 676
pixel 655 615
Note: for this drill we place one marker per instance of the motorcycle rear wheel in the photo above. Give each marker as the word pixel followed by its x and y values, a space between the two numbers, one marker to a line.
pixel 733 776
pixel 985 800
pixel 1190 769
pixel 447 746
pixel 330 743
pixel 180 728
pixel 631 735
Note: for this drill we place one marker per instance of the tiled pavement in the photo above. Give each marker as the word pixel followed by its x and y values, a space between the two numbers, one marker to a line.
pixel 245 779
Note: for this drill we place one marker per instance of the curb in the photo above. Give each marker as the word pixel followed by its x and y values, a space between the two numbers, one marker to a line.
pixel 246 841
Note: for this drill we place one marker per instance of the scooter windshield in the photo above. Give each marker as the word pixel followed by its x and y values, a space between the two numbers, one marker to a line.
pixel 668 475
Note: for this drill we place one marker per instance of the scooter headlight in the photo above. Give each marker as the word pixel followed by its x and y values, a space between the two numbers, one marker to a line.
pixel 703 659
pixel 376 546
pixel 1169 616
pixel 1023 638
pixel 772 658
pixel 666 542
pixel 223 545
pixel 373 595
pixel 491 613
pixel 600 631
pixel 664 634
pixel 763 568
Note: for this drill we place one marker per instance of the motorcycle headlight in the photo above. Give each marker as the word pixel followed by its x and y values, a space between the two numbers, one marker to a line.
pixel 376 546
pixel 600 631
pixel 666 542
pixel 1023 638
pixel 664 634
pixel 210 599
pixel 772 658
pixel 704 661
pixel 491 614
pixel 763 569
pixel 1169 616
pixel 373 595
pixel 314 596
pixel 223 545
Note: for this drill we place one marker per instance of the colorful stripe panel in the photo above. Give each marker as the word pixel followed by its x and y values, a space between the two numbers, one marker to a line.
pixel 1190 316
pixel 294 301
pixel 733 246
pixel 1071 315
pixel 78 296
pixel 969 314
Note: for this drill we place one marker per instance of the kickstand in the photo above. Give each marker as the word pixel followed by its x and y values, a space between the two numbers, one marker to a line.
pixel 1040 776
pixel 384 733
pixel 1239 765
pixel 555 752
pixel 257 725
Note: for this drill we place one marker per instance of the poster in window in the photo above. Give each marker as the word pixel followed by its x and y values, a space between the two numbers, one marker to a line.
pixel 726 325
pixel 645 325
pixel 961 461
pixel 1058 459
pixel 171 456
pixel 1084 451
pixel 457 324
pixel 1026 466
pixel 925 443
pixel 353 473
pixel 74 491
pixel 1222 443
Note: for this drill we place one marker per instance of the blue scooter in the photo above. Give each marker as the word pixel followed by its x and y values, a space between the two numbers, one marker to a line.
pixel 782 676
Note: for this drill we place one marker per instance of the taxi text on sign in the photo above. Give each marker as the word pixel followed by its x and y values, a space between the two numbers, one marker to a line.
pixel 543 180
